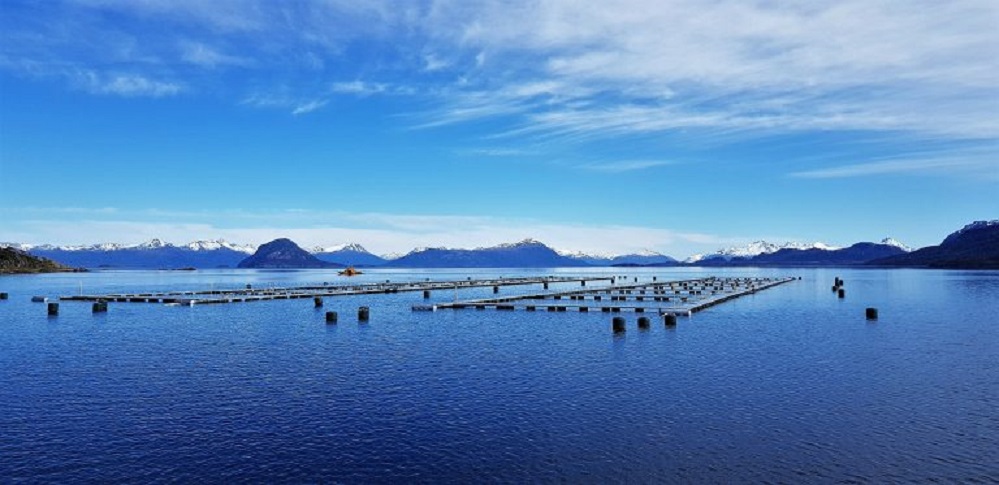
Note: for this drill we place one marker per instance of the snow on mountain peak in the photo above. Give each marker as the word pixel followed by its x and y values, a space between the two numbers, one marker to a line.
pixel 220 244
pixel 19 246
pixel 525 242
pixel 890 241
pixel 152 244
pixel 97 247
pixel 757 248
pixel 978 225
pixel 648 252
pixel 353 247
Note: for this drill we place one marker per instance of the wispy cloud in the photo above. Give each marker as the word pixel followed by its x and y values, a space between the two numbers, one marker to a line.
pixel 295 106
pixel 309 107
pixel 203 55
pixel 625 165
pixel 126 85
pixel 988 167
pixel 581 71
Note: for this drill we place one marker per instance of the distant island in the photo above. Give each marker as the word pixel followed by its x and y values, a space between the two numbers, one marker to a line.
pixel 14 261
pixel 283 253
pixel 976 246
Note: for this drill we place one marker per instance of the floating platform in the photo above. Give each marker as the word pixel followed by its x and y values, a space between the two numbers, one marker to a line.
pixel 191 298
pixel 682 298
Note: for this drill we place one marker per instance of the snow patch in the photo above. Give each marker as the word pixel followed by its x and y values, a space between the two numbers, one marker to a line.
pixel 890 241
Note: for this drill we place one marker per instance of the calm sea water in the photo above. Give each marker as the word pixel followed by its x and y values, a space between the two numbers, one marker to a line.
pixel 788 385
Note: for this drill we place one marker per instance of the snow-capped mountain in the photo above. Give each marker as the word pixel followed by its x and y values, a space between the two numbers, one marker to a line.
pixel 220 244
pixel 975 246
pixel 153 254
pixel 890 241
pixel 18 246
pixel 524 254
pixel 974 226
pixel 757 248
pixel 349 254
pixel 641 257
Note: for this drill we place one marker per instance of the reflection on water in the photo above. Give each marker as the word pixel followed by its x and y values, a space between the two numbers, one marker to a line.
pixel 791 385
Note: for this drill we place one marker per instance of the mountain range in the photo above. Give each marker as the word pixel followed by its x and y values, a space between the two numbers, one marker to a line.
pixel 975 246
pixel 525 254
pixel 964 248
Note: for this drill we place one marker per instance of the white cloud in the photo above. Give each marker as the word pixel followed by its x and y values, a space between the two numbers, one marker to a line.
pixel 431 63
pixel 309 107
pixel 281 100
pixel 643 66
pixel 984 167
pixel 206 56
pixel 625 165
pixel 127 85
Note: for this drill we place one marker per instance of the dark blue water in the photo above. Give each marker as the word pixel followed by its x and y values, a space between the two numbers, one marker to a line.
pixel 788 385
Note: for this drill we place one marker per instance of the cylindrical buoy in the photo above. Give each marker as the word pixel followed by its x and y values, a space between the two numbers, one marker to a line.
pixel 53 309
pixel 318 302
pixel 496 289
pixel 249 286
pixel 643 323
pixel 669 320
pixel 100 307
pixel 426 294
pixel 872 313
pixel 3 296
pixel 546 285
pixel 842 293
pixel 582 282
pixel 331 317
pixel 618 324
pixel 362 314
pixel 835 288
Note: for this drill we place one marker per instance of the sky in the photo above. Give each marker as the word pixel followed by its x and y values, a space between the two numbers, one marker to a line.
pixel 605 127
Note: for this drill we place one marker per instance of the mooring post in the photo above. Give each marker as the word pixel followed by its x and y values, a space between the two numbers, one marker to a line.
pixel 362 314
pixel 669 320
pixel 872 313
pixel 53 309
pixel 643 323
pixel 331 317
pixel 317 302
pixel 618 324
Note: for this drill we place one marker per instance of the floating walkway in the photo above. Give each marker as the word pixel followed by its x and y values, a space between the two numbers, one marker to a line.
pixel 249 294
pixel 674 297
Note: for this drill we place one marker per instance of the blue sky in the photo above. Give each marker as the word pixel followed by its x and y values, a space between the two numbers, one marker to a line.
pixel 677 126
